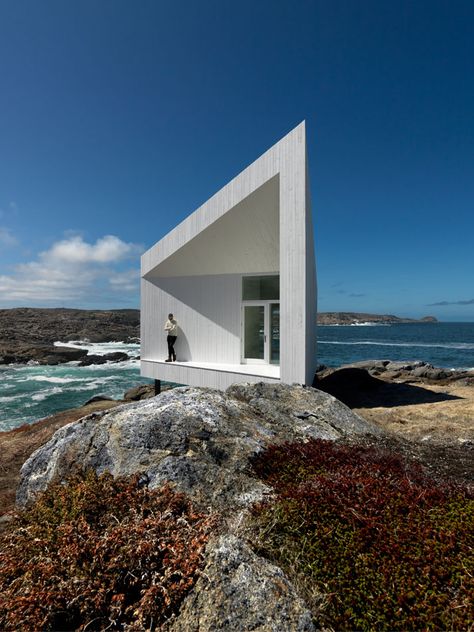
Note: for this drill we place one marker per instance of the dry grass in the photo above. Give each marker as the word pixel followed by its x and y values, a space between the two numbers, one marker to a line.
pixel 448 421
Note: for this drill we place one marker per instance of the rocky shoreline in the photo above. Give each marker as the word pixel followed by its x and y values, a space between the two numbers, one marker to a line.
pixel 29 334
pixel 417 371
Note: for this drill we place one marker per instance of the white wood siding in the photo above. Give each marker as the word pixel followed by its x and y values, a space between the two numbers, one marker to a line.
pixel 208 312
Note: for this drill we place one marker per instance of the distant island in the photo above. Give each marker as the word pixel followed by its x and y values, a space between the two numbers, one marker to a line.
pixel 356 318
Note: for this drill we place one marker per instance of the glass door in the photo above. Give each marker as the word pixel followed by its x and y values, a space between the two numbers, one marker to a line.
pixel 254 333
pixel 261 333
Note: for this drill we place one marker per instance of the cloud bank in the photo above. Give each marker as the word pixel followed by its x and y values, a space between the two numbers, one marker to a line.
pixel 469 302
pixel 6 238
pixel 75 272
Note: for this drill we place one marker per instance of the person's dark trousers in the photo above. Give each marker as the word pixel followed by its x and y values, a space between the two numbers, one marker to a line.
pixel 171 352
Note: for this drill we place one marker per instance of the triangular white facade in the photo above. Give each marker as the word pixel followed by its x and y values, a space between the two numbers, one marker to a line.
pixel 258 226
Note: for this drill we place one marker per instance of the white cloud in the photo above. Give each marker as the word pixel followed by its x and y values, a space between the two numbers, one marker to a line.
pixel 108 249
pixel 125 280
pixel 6 237
pixel 75 272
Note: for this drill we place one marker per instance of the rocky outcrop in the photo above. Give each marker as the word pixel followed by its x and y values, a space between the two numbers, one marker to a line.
pixel 142 391
pixel 22 353
pixel 357 318
pixel 116 356
pixel 17 445
pixel 201 440
pixel 389 370
pixel 51 355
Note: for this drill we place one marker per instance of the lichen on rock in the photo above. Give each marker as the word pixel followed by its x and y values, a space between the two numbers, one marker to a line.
pixel 240 591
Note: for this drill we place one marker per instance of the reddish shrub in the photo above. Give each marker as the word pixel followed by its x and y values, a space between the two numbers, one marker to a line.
pixel 390 548
pixel 100 553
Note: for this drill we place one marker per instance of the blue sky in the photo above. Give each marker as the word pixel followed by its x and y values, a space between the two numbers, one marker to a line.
pixel 119 118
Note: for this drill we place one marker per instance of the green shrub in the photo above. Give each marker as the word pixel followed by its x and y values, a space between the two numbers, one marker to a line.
pixel 389 548
pixel 100 553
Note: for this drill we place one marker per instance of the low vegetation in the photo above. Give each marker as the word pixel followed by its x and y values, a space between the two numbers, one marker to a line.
pixel 371 542
pixel 100 553
pixel 388 547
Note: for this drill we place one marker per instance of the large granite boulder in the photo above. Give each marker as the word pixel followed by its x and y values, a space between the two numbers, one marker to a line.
pixel 201 439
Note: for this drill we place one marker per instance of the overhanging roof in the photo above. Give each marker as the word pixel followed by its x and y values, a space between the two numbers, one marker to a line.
pixel 245 239
pixel 237 230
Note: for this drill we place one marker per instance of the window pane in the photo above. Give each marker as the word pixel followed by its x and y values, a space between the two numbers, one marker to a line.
pixel 261 288
pixel 275 333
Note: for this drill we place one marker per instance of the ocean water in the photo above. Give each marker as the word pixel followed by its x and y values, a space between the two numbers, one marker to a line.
pixel 29 393
pixel 447 345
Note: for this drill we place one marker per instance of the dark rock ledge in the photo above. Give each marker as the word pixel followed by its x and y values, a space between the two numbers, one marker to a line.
pixel 416 371
pixel 22 353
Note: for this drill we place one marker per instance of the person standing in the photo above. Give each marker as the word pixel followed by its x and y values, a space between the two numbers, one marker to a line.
pixel 171 327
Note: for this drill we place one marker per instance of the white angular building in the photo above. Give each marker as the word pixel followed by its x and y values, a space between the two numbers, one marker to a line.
pixel 239 276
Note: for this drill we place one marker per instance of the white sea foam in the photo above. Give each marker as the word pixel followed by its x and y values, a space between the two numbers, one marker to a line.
pixel 126 364
pixel 463 346
pixel 367 324
pixel 94 382
pixel 100 381
pixel 12 398
pixel 40 397
pixel 102 348
pixel 55 380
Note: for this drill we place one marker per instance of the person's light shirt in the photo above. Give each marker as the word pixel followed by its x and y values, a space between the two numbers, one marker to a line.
pixel 171 327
